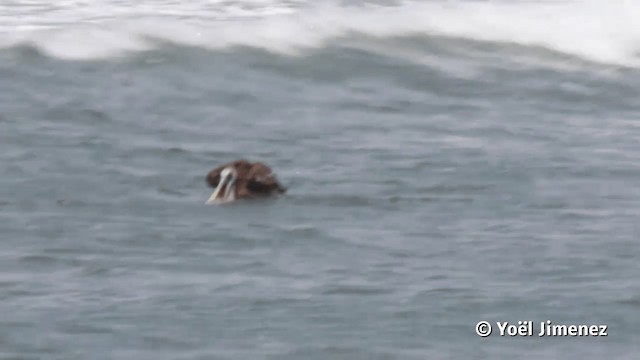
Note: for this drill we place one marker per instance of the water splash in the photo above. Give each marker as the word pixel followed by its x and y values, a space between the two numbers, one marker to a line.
pixel 592 30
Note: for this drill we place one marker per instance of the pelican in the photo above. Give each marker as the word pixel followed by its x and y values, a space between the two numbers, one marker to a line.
pixel 242 179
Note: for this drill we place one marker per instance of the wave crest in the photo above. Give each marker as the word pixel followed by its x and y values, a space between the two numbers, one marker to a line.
pixel 596 31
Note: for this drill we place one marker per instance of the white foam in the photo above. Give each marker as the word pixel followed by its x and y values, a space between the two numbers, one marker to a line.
pixel 594 30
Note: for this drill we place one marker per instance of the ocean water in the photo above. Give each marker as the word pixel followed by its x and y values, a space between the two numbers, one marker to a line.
pixel 448 162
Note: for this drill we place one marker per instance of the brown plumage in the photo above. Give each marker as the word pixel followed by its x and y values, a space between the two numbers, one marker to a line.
pixel 242 179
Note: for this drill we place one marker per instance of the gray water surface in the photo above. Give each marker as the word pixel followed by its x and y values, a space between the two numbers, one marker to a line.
pixel 422 199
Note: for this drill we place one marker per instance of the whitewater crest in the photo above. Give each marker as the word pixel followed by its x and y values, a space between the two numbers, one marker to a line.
pixel 595 31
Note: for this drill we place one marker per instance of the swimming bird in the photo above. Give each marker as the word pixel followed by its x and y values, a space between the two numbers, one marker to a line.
pixel 241 179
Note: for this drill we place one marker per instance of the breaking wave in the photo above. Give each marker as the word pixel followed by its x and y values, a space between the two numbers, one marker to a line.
pixel 595 31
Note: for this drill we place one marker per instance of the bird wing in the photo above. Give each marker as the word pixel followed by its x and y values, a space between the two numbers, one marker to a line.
pixel 259 169
pixel 261 179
